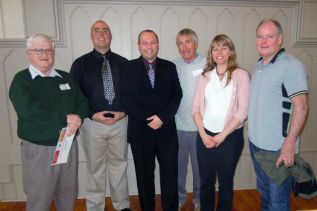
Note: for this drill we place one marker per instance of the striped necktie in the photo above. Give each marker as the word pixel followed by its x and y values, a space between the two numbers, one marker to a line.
pixel 151 75
pixel 107 80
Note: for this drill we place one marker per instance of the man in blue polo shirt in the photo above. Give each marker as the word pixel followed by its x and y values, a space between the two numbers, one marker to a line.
pixel 277 111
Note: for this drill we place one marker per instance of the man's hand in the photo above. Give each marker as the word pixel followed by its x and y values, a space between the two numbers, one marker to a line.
pixel 286 154
pixel 154 122
pixel 71 129
pixel 118 115
pixel 299 115
pixel 99 117
pixel 73 124
pixel 74 119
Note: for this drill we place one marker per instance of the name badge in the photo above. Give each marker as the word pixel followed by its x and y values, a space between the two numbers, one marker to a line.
pixel 64 87
pixel 197 72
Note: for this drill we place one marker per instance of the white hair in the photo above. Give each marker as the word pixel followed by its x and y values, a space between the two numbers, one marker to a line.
pixel 36 38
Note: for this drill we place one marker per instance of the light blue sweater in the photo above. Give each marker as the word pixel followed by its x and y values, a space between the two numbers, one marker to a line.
pixel 188 74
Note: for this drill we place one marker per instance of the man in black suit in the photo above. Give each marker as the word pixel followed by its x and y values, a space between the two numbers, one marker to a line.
pixel 151 93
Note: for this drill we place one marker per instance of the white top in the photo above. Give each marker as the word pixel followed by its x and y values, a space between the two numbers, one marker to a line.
pixel 217 99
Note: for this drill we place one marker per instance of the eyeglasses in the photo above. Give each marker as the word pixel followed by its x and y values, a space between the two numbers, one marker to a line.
pixel 41 51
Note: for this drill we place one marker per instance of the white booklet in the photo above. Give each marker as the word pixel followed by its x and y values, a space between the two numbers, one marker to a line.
pixel 62 148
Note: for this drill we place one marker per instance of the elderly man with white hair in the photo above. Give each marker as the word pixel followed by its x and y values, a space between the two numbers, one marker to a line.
pixel 47 100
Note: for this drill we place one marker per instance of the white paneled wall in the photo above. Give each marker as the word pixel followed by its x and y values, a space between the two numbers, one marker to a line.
pixel 69 22
pixel 11 19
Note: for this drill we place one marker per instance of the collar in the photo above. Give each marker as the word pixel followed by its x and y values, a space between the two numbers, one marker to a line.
pixel 214 74
pixel 35 72
pixel 146 63
pixel 100 55
pixel 193 61
pixel 280 52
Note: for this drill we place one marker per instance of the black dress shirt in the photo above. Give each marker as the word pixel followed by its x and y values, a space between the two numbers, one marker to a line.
pixel 86 71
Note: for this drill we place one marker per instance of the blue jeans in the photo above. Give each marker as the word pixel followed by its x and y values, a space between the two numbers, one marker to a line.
pixel 186 149
pixel 221 163
pixel 273 197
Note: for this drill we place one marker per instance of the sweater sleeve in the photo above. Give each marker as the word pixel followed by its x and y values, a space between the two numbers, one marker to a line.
pixel 196 108
pixel 243 96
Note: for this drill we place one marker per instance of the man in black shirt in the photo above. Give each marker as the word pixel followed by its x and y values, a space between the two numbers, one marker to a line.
pixel 104 133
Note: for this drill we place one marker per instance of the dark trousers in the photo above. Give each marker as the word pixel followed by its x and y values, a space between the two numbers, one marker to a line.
pixel 166 152
pixel 220 163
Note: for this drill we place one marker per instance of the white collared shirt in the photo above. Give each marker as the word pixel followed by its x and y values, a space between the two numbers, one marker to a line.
pixel 35 72
pixel 217 100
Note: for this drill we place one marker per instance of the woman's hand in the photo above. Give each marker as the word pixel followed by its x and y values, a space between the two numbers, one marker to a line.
pixel 219 138
pixel 208 140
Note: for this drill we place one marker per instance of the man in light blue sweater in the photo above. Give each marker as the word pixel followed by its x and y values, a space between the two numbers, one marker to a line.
pixel 189 67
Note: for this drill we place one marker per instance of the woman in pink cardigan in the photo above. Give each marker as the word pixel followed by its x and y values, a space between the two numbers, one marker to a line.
pixel 219 109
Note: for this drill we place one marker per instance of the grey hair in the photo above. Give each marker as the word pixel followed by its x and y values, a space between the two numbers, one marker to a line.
pixel 275 22
pixel 35 38
pixel 187 32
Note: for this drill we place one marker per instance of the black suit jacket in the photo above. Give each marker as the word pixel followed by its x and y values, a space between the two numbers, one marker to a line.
pixel 142 101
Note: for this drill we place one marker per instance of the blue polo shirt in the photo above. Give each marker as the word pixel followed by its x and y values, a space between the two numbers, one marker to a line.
pixel 272 87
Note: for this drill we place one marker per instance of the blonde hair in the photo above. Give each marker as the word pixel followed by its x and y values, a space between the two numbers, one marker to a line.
pixel 232 61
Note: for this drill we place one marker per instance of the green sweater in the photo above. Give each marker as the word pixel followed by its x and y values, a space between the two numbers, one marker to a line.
pixel 42 105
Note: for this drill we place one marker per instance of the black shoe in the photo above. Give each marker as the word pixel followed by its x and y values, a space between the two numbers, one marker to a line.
pixel 126 209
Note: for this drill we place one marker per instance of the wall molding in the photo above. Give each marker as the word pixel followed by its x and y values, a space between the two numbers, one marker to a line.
pixel 298 39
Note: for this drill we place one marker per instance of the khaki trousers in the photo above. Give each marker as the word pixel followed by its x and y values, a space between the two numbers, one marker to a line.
pixel 42 182
pixel 106 150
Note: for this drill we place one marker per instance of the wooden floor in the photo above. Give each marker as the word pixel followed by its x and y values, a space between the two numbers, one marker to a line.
pixel 244 200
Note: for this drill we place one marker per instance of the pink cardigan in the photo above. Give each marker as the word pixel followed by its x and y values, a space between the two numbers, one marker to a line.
pixel 238 106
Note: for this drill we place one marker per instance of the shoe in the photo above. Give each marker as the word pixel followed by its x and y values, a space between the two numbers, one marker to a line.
pixel 197 207
pixel 181 206
pixel 126 209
